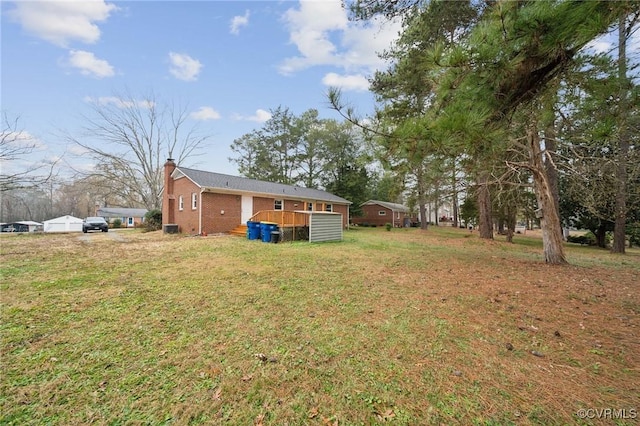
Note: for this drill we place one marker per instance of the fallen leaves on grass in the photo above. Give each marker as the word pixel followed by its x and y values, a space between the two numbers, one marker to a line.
pixel 313 413
pixel 386 416
pixel 217 394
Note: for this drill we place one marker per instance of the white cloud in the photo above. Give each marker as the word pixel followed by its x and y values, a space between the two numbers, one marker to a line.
pixel 608 44
pixel 205 113
pixel 55 159
pixel 633 45
pixel 239 21
pixel 260 116
pixel 61 22
pixel 88 64
pixel 309 29
pixel 76 149
pixel 20 140
pixel 19 151
pixel 324 36
pixel 120 102
pixel 346 82
pixel 184 67
pixel 84 167
pixel 600 46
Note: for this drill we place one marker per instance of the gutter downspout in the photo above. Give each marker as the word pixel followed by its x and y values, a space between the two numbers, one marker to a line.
pixel 200 212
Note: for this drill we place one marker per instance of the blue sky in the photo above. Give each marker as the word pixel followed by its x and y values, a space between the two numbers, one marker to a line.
pixel 228 62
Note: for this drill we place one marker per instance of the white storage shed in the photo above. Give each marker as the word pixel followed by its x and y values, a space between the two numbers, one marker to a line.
pixel 63 224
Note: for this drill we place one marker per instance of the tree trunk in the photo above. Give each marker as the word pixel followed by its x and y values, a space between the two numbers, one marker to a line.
pixel 436 194
pixel 422 201
pixel 552 241
pixel 423 216
pixel 510 220
pixel 550 168
pixel 485 224
pixel 511 224
pixel 601 236
pixel 454 195
pixel 620 224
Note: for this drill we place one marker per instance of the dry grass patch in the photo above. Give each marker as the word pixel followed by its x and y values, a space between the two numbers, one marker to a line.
pixel 406 327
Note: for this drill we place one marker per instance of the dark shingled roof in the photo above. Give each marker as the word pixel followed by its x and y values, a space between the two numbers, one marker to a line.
pixel 240 184
pixel 390 206
pixel 121 212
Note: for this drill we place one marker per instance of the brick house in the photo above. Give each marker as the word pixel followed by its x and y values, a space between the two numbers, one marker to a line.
pixel 379 213
pixel 130 217
pixel 201 202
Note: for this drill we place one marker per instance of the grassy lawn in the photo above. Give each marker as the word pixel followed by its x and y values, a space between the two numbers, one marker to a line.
pixel 401 327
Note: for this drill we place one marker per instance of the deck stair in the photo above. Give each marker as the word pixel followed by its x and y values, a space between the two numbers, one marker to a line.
pixel 240 231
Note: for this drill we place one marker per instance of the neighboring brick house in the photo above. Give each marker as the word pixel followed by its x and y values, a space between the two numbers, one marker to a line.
pixel 206 202
pixel 379 213
pixel 130 217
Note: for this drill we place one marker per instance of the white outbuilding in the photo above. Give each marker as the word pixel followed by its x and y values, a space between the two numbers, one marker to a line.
pixel 23 226
pixel 63 224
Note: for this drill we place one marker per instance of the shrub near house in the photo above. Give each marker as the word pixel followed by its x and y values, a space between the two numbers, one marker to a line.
pixel 153 220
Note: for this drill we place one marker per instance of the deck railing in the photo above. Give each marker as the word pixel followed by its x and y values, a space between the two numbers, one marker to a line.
pixel 284 218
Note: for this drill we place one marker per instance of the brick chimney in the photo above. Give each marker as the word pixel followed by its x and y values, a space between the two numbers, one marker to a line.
pixel 168 198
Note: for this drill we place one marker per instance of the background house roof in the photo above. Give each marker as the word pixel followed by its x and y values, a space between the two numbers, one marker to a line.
pixel 240 184
pixel 121 212
pixel 65 218
pixel 392 206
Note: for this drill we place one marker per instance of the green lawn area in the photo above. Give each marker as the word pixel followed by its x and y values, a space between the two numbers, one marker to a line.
pixel 404 327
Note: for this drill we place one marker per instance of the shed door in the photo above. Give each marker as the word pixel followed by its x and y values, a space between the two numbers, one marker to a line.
pixel 246 208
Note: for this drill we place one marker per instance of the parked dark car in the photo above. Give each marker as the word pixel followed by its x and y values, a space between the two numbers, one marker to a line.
pixel 95 224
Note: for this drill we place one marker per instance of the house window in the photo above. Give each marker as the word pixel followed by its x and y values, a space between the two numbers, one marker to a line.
pixel 130 221
pixel 277 205
pixel 328 207
pixel 382 212
pixel 194 201
pixel 180 203
pixel 309 207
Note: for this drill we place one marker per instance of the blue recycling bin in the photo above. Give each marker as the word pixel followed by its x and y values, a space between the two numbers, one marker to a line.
pixel 253 231
pixel 265 230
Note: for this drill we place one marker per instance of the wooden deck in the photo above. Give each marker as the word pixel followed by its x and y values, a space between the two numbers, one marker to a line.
pixel 284 218
pixel 293 225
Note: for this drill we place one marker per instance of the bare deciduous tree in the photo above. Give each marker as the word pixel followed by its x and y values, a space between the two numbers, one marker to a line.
pixel 130 139
pixel 17 170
